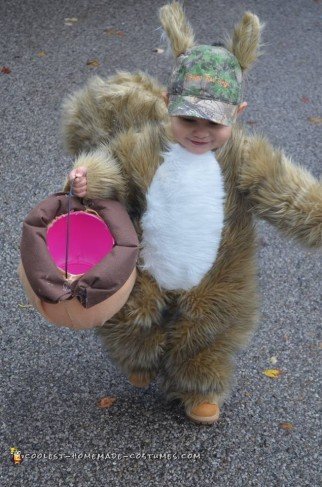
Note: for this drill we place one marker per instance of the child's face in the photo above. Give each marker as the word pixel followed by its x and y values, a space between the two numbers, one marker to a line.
pixel 198 135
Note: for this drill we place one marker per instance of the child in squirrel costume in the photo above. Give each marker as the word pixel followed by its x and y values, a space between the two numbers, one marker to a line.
pixel 192 181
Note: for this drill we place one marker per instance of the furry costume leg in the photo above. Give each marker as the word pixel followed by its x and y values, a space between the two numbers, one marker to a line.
pixel 214 321
pixel 203 376
pixel 135 337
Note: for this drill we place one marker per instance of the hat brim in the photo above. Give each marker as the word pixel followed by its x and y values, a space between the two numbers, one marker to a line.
pixel 213 110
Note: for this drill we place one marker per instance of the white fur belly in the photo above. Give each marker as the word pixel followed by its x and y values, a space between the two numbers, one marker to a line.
pixel 183 222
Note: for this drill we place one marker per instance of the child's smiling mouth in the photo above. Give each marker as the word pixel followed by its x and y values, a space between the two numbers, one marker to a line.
pixel 198 142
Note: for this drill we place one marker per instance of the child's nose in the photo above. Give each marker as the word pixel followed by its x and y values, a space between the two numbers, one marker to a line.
pixel 201 132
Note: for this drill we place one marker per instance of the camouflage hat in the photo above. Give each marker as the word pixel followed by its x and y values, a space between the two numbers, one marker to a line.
pixel 206 83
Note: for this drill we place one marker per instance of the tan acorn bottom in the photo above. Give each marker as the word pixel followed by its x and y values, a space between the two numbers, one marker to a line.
pixel 204 413
pixel 140 380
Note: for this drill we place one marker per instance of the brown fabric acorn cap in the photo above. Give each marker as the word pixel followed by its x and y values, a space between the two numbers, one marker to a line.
pixel 100 282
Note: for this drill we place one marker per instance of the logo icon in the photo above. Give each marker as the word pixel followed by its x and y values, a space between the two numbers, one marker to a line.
pixel 16 455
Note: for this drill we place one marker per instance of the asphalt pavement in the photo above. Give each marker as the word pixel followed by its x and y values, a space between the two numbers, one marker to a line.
pixel 52 378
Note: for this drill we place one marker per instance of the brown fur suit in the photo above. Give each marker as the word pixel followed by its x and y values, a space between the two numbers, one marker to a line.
pixel 118 128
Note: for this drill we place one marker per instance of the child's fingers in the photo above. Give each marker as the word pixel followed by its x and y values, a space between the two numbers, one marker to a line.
pixel 80 190
pixel 80 186
pixel 80 193
pixel 80 181
pixel 78 178
pixel 79 172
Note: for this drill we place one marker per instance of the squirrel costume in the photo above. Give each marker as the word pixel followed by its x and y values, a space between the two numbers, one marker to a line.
pixel 195 301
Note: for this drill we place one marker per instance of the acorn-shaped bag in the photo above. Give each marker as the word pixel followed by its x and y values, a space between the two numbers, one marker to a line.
pixel 78 263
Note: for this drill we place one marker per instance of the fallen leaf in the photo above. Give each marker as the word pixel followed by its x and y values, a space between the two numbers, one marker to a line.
pixel 71 20
pixel 272 373
pixel 158 50
pixel 315 120
pixel 273 360
pixel 5 70
pixel 106 402
pixel 24 305
pixel 41 53
pixel 286 426
pixel 320 345
pixel 251 122
pixel 93 63
pixel 305 99
pixel 114 32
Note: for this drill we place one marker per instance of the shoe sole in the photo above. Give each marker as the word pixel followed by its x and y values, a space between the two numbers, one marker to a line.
pixel 209 420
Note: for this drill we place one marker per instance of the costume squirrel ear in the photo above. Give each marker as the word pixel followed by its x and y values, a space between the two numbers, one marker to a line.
pixel 177 28
pixel 245 42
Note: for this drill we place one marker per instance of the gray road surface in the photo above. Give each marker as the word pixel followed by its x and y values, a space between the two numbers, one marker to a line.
pixel 51 378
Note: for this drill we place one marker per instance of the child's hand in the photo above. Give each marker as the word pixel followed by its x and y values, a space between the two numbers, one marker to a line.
pixel 79 177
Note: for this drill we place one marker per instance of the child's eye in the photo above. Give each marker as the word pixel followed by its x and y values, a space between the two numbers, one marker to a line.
pixel 189 120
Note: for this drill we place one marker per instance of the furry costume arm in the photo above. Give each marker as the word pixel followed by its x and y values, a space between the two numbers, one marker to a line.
pixel 282 193
pixel 112 127
pixel 104 178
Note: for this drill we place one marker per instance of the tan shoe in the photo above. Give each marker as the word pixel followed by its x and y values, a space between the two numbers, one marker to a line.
pixel 140 380
pixel 205 413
